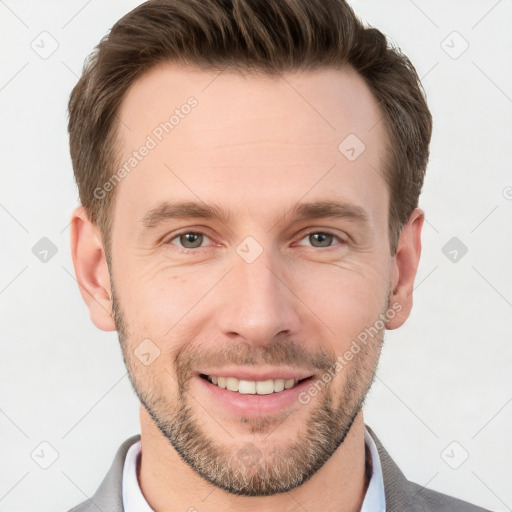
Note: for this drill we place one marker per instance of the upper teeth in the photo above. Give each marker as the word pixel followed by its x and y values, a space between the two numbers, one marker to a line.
pixel 252 387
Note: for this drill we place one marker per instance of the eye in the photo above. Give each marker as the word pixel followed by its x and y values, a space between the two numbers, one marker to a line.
pixel 320 239
pixel 195 239
pixel 188 239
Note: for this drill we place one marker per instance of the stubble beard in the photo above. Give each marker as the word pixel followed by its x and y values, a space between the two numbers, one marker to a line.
pixel 252 469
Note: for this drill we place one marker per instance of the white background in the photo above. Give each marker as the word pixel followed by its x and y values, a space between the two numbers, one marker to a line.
pixel 445 376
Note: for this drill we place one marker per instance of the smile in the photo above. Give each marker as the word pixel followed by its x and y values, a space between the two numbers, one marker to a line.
pixel 252 387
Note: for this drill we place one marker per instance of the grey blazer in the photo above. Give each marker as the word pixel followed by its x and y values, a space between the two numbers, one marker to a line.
pixel 401 495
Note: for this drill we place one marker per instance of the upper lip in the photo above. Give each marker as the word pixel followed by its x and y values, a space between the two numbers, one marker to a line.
pixel 258 374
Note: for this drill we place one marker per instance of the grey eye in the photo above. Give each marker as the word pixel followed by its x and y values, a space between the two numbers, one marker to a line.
pixel 320 239
pixel 191 240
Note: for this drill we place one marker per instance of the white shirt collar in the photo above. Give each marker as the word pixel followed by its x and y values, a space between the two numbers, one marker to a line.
pixel 134 501
pixel 374 499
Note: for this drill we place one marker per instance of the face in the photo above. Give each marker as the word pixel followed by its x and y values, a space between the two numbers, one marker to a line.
pixel 249 254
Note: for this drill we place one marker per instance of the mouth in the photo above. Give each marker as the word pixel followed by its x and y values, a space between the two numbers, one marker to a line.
pixel 253 387
pixel 252 391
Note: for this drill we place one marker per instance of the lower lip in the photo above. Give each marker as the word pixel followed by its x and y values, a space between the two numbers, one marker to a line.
pixel 255 405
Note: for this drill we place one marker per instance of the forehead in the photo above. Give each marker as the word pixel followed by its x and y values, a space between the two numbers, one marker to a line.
pixel 316 105
pixel 240 138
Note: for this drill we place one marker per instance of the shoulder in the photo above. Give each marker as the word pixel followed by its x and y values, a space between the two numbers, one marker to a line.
pixel 403 495
pixel 109 494
pixel 429 500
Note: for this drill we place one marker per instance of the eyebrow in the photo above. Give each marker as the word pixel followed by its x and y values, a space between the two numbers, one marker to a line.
pixel 300 211
pixel 182 210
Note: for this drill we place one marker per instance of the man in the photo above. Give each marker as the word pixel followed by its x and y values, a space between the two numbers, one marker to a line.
pixel 249 174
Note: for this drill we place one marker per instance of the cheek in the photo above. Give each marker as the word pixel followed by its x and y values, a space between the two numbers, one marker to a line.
pixel 162 304
pixel 347 299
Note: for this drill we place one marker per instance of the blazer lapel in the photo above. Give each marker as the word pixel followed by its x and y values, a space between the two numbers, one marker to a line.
pixel 399 493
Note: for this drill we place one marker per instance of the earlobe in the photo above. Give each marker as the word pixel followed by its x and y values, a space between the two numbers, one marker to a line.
pixel 91 269
pixel 404 268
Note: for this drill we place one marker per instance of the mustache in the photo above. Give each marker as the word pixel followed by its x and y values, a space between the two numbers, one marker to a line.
pixel 280 352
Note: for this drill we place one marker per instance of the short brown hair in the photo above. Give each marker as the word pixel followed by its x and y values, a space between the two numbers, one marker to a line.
pixel 267 36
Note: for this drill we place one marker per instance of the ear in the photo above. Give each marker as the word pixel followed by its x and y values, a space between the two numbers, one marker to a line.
pixel 91 269
pixel 404 267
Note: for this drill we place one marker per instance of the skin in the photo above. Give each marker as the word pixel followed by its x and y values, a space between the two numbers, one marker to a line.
pixel 253 146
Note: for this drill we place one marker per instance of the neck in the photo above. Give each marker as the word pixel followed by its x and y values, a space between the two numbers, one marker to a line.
pixel 169 484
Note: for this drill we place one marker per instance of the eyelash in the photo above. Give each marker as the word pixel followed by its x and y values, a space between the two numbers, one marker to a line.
pixel 303 235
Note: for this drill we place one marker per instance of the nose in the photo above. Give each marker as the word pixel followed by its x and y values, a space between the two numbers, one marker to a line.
pixel 258 302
